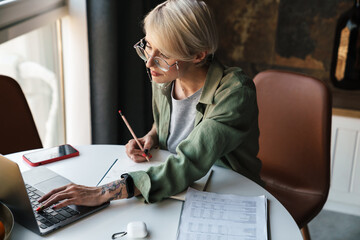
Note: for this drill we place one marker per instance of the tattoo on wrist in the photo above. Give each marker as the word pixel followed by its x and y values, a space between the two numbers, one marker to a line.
pixel 116 187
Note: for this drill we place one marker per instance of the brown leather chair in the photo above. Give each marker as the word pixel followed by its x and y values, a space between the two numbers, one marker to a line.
pixel 295 127
pixel 17 127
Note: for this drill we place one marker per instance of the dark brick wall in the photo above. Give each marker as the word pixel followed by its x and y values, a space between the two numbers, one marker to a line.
pixel 294 35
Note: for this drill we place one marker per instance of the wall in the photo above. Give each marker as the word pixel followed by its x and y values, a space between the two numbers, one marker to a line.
pixel 282 34
pixel 344 195
pixel 297 36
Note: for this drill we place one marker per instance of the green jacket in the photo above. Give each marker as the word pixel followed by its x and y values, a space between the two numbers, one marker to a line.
pixel 225 133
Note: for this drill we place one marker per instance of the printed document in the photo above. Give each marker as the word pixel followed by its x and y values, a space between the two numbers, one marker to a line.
pixel 125 165
pixel 212 216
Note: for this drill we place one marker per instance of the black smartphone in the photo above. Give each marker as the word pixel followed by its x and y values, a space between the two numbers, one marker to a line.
pixel 49 155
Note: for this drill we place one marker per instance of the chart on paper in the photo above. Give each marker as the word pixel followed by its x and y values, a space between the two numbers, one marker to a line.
pixel 208 216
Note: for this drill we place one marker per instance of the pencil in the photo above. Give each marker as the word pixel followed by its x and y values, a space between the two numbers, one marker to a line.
pixel 133 134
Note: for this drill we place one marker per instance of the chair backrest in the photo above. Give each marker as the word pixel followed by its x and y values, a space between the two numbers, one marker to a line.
pixel 17 127
pixel 295 129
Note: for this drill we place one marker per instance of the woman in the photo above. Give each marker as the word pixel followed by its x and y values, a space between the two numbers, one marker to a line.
pixel 204 113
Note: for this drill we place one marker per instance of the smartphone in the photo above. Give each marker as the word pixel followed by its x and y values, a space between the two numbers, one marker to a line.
pixel 49 155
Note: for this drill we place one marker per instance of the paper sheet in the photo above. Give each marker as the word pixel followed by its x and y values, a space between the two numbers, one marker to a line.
pixel 212 216
pixel 125 164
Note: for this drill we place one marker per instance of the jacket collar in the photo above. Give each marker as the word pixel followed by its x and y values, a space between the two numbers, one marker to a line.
pixel 213 78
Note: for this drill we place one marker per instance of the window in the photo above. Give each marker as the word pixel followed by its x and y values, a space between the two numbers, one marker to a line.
pixel 20 17
pixel 30 53
pixel 32 59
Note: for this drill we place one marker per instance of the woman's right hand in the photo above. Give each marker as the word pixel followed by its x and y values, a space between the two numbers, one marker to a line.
pixel 133 151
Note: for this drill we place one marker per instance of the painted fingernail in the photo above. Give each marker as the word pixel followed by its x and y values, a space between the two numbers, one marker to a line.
pixel 146 151
pixel 40 208
pixel 144 155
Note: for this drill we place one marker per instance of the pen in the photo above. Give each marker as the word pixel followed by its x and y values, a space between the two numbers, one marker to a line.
pixel 134 136
pixel 106 172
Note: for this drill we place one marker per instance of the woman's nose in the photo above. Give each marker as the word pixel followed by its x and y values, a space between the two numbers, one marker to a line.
pixel 150 62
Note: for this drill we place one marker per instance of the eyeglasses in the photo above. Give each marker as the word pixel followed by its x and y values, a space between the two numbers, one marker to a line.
pixel 161 63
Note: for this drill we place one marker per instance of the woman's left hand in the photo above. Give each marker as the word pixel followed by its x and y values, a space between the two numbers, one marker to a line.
pixel 73 194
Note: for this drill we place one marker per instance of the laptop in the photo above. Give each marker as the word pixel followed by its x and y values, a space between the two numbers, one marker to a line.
pixel 21 191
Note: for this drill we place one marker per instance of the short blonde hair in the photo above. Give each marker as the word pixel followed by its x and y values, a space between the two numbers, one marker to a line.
pixel 182 28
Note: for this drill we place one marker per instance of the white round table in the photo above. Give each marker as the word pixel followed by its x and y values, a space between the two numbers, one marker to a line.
pixel 162 218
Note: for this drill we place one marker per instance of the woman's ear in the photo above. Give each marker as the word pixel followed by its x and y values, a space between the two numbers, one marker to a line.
pixel 200 57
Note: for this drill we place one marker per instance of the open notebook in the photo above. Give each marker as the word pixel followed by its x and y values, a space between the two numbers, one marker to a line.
pixel 124 165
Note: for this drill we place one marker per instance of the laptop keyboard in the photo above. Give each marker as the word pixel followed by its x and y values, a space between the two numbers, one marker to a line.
pixel 48 217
